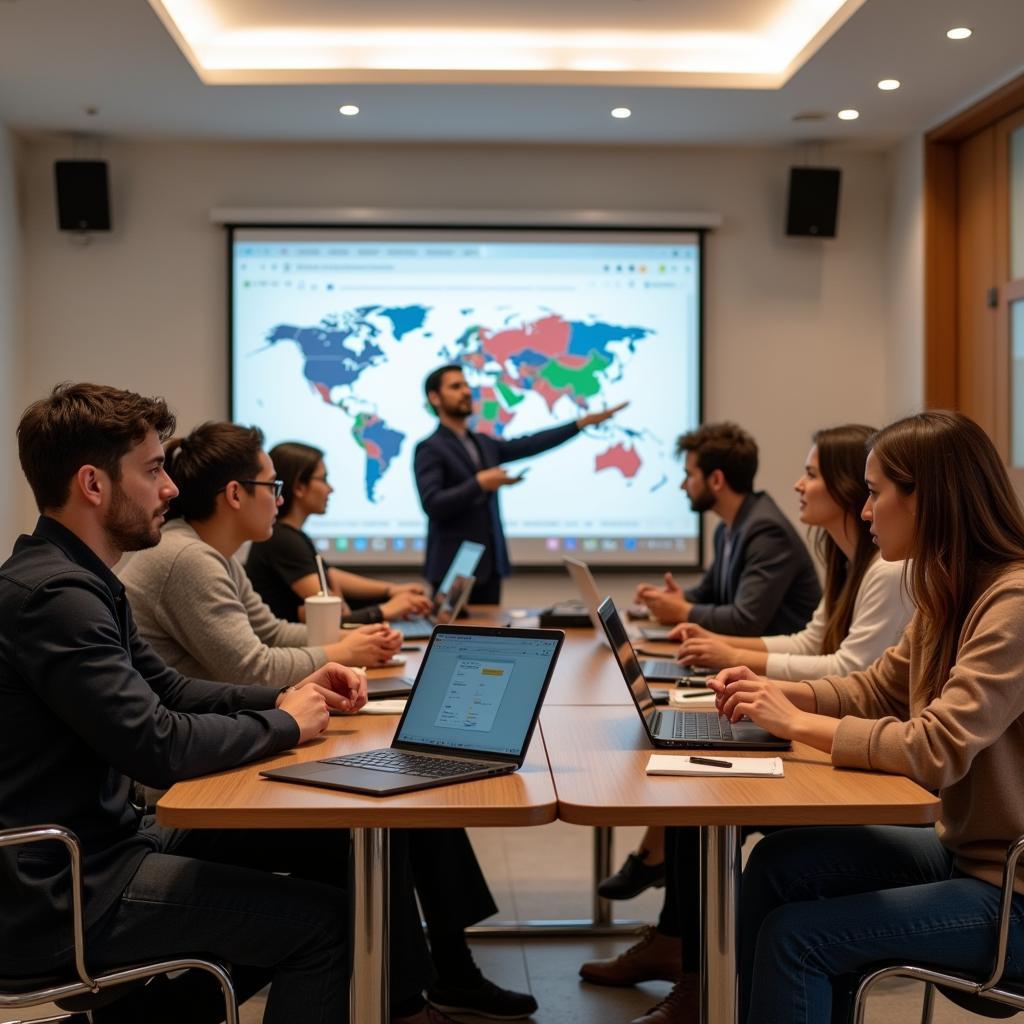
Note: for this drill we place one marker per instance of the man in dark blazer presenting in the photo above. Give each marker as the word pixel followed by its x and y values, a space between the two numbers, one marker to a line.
pixel 458 475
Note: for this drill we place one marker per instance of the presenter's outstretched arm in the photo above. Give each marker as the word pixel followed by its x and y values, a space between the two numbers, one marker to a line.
pixel 593 418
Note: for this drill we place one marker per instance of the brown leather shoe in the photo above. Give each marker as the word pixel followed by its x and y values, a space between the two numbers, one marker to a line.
pixel 680 1006
pixel 655 957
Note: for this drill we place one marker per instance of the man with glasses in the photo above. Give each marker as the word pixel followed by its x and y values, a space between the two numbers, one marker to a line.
pixel 192 599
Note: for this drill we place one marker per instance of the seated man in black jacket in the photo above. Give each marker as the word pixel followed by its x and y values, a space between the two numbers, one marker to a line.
pixel 86 706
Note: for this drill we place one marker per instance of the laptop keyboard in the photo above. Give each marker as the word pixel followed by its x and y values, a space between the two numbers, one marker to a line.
pixel 400 762
pixel 413 625
pixel 700 725
pixel 655 669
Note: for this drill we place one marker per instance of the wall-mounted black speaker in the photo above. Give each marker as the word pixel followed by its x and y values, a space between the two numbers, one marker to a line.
pixel 813 201
pixel 83 201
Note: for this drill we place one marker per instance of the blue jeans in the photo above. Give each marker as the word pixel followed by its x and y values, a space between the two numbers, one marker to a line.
pixel 820 906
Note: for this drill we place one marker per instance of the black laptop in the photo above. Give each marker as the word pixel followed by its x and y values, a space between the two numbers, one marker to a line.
pixel 450 597
pixel 471 714
pixel 671 728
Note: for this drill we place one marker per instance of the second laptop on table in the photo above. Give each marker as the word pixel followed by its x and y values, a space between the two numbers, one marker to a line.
pixel 688 729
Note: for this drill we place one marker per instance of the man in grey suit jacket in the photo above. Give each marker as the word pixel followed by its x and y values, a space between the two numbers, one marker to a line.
pixel 762 580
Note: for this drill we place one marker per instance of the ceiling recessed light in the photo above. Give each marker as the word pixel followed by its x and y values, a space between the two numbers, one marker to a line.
pixel 848 115
pixel 349 110
pixel 622 112
pixel 959 33
pixel 888 84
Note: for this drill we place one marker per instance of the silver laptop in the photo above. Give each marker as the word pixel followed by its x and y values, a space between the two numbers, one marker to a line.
pixel 471 714
pixel 466 559
pixel 661 669
pixel 670 728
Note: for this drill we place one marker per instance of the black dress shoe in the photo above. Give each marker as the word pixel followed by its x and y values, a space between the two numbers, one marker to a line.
pixel 483 998
pixel 631 879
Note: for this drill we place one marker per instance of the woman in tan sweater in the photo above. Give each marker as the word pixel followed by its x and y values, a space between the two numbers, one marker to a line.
pixel 944 707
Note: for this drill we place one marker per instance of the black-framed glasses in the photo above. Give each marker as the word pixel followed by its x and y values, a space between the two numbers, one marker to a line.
pixel 278 485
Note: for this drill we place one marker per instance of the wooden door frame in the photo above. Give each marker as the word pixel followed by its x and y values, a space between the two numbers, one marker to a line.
pixel 941 341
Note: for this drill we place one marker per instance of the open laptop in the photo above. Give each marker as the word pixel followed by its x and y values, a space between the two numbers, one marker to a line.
pixel 661 669
pixel 671 728
pixel 466 559
pixel 471 714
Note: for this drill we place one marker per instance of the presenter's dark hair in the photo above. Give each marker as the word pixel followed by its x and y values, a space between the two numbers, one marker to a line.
pixel 204 462
pixel 79 425
pixel 723 446
pixel 841 454
pixel 969 528
pixel 295 463
pixel 434 378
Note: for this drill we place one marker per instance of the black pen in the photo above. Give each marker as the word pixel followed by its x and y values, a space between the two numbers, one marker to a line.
pixel 410 647
pixel 711 762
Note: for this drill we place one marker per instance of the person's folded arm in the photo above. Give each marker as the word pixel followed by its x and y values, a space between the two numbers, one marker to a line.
pixel 440 502
pixel 979 700
pixel 81 671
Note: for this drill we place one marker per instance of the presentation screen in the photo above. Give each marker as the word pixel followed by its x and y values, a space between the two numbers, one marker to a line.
pixel 334 331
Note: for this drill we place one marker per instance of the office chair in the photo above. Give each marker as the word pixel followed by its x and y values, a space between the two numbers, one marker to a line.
pixel 81 991
pixel 991 997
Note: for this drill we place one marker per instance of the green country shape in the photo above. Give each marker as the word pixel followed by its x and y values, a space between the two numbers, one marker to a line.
pixel 583 381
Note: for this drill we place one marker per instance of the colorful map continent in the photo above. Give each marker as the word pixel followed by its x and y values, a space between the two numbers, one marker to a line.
pixel 551 356
pixel 380 444
pixel 625 460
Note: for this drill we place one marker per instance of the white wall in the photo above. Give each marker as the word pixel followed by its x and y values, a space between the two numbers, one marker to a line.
pixel 795 328
pixel 12 383
pixel 904 360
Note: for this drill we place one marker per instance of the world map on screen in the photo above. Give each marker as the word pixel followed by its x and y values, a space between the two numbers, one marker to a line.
pixel 549 356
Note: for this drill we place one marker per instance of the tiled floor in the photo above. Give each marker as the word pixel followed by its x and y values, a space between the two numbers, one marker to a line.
pixel 545 873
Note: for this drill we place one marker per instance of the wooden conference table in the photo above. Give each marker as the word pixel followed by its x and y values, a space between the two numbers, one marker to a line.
pixel 585 766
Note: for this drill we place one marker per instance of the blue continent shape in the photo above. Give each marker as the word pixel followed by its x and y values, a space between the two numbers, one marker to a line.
pixel 585 338
pixel 390 443
pixel 405 319
pixel 329 360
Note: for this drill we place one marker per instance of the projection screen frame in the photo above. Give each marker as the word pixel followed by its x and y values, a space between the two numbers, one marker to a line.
pixel 651 223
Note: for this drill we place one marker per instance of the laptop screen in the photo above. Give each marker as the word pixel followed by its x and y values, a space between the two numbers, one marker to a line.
pixel 452 602
pixel 626 657
pixel 466 559
pixel 581 576
pixel 479 690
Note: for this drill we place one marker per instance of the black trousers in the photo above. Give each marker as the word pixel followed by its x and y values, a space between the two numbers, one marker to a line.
pixel 216 892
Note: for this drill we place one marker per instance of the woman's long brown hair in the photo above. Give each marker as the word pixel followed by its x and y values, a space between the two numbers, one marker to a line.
pixel 841 455
pixel 969 523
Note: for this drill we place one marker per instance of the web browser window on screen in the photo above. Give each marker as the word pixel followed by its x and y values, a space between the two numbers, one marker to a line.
pixel 478 692
pixel 333 333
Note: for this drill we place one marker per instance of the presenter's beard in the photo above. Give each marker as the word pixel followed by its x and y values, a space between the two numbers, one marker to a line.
pixel 129 526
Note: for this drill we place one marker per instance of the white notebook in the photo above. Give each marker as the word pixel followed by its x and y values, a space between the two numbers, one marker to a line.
pixel 742 767
pixel 682 697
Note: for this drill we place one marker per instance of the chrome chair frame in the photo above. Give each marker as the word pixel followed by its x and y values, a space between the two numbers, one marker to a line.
pixel 989 998
pixel 85 984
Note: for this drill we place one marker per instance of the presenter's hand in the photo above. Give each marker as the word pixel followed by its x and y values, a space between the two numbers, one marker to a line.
pixel 593 418
pixel 495 477
pixel 405 605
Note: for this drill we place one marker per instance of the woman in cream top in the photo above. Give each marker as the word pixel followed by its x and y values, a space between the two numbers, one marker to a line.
pixel 865 607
